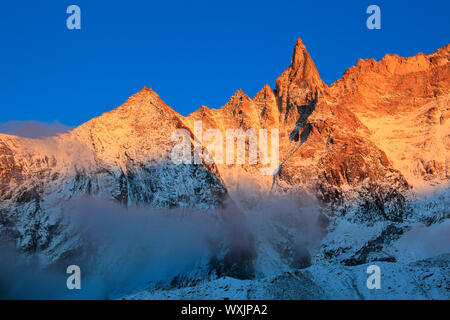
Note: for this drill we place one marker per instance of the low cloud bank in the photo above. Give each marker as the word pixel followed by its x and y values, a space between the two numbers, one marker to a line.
pixel 121 250
pixel 423 242
pixel 33 129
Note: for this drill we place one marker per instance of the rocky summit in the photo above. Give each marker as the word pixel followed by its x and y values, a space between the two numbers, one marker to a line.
pixel 362 178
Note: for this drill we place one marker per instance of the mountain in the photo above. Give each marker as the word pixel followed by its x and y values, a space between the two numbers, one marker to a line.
pixel 324 147
pixel 360 165
pixel 123 155
pixel 404 102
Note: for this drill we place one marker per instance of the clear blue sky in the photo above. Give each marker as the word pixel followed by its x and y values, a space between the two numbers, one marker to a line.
pixel 190 52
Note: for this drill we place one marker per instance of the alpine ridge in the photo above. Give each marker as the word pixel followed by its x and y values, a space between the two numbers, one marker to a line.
pixel 371 151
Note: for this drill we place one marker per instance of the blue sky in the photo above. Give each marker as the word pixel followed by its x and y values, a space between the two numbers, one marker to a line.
pixel 190 52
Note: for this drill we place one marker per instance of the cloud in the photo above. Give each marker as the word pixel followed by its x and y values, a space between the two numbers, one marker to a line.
pixel 33 129
pixel 125 249
pixel 118 249
pixel 423 242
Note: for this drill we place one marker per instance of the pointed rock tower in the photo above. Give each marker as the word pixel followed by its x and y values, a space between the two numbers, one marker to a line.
pixel 300 82
pixel 266 103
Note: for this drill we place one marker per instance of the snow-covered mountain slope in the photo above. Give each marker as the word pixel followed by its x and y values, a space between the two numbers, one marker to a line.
pixel 123 155
pixel 423 280
pixel 413 255
pixel 362 177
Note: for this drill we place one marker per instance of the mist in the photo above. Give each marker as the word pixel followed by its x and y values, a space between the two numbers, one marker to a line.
pixel 122 250
pixel 33 129
pixel 422 242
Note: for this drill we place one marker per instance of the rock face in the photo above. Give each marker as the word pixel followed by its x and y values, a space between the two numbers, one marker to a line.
pixel 359 146
pixel 300 82
pixel 405 104
pixel 317 282
pixel 123 155
pixel 324 147
pixel 394 84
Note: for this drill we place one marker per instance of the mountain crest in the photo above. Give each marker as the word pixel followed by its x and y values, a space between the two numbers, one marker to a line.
pixel 266 103
pixel 239 94
pixel 303 71
pixel 238 100
pixel 300 82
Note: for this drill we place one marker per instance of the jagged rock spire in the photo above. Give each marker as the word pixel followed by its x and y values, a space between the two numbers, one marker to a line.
pixel 304 70
pixel 300 82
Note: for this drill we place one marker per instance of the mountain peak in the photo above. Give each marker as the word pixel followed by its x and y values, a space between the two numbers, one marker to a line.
pixel 394 84
pixel 145 91
pixel 265 93
pixel 238 98
pixel 239 93
pixel 300 81
pixel 267 89
pixel 303 70
pixel 266 104
pixel 299 54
